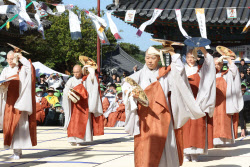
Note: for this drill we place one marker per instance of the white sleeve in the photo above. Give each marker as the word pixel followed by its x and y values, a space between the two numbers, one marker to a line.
pixel 233 68
pixel 206 96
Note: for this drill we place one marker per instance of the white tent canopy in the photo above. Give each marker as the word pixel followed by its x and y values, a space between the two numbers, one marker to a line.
pixel 41 68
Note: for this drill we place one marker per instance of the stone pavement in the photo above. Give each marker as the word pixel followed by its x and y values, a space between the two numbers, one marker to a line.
pixel 114 149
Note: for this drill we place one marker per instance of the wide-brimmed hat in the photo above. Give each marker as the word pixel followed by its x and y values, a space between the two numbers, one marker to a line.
pixel 58 105
pixel 225 51
pixel 51 90
pixel 39 90
pixel 42 74
pixel 57 93
pixel 86 61
pixel 17 49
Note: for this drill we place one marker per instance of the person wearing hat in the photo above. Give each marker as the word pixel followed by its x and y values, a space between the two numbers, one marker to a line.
pixel 229 101
pixel 82 107
pixel 54 80
pixel 156 135
pixel 41 105
pixel 115 114
pixel 18 118
pixel 42 80
pixel 51 98
pixel 202 82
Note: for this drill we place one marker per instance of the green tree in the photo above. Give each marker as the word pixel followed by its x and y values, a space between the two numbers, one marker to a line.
pixel 59 51
pixel 134 51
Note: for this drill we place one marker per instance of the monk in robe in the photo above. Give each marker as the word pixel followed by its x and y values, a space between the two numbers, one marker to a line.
pixel 197 134
pixel 41 105
pixel 229 102
pixel 116 112
pixel 17 104
pixel 156 129
pixel 82 118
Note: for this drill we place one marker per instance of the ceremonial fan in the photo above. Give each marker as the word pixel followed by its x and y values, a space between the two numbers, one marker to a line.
pixel 167 46
pixel 225 52
pixel 72 95
pixel 197 42
pixel 89 66
pixel 142 97
pixel 17 51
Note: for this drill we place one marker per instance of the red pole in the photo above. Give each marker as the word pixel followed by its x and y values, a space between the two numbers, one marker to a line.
pixel 98 40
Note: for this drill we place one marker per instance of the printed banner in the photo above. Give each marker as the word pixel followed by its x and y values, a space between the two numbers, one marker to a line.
pixel 130 16
pixel 246 28
pixel 74 26
pixel 156 13
pixel 38 7
pixel 179 17
pixel 231 13
pixel 112 26
pixel 200 14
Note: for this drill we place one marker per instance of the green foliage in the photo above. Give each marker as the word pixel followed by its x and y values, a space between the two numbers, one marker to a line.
pixel 134 51
pixel 59 51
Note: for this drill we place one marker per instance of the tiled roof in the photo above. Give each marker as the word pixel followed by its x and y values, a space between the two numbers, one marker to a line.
pixel 121 61
pixel 213 15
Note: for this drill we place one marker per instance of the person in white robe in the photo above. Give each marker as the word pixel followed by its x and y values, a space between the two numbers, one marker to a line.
pixel 183 103
pixel 21 138
pixel 233 99
pixel 204 90
pixel 94 103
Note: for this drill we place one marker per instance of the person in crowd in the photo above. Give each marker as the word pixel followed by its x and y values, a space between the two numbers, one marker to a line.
pixel 229 102
pixel 243 67
pixel 41 105
pixel 116 112
pixel 54 81
pixel 135 68
pixel 82 107
pixel 17 114
pixel 105 79
pixel 247 76
pixel 118 80
pixel 113 78
pixel 59 110
pixel 42 81
pixel 242 77
pixel 58 95
pixel 245 110
pixel 111 93
pixel 156 134
pixel 197 134
pixel 51 98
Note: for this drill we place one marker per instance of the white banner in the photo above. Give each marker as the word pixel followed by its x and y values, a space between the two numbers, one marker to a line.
pixel 98 23
pixel 74 25
pixel 179 17
pixel 130 16
pixel 112 26
pixel 156 13
pixel 200 14
pixel 231 13
pixel 40 26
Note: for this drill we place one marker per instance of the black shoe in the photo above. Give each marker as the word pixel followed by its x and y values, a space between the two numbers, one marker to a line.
pixel 1 131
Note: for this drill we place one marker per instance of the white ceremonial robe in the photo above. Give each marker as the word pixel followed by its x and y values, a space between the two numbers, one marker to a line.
pixel 234 99
pixel 94 104
pixel 21 138
pixel 206 97
pixel 183 105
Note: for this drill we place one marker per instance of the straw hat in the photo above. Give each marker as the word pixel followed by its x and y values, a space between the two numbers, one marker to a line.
pixel 225 51
pixel 51 89
pixel 17 49
pixel 143 99
pixel 86 61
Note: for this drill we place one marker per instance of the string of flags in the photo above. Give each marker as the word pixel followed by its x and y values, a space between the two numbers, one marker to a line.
pixel 99 23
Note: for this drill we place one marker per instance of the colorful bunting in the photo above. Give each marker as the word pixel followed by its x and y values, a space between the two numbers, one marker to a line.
pixel 112 26
pixel 179 17
pixel 231 13
pixel 130 16
pixel 98 22
pixel 74 24
pixel 156 13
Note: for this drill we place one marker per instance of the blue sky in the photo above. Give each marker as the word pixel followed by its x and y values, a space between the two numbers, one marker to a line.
pixel 129 32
